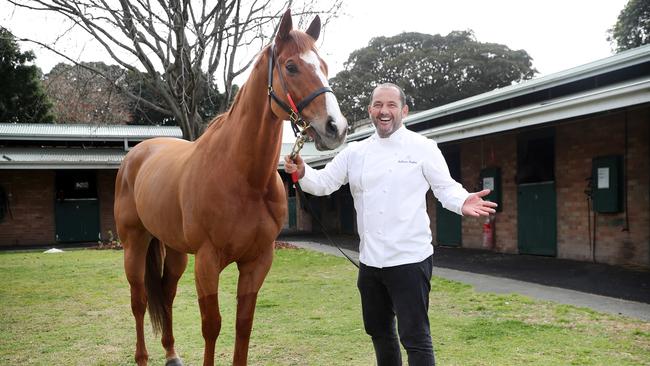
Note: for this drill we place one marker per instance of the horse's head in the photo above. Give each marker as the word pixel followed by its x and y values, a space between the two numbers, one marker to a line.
pixel 299 77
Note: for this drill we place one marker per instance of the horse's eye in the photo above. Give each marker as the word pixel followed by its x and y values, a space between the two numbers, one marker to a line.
pixel 292 68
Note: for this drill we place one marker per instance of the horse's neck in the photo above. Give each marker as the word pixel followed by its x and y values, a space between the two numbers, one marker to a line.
pixel 253 132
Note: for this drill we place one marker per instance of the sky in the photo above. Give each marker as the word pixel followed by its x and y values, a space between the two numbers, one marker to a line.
pixel 557 34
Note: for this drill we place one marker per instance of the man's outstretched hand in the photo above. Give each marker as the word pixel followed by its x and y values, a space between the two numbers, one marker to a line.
pixel 475 206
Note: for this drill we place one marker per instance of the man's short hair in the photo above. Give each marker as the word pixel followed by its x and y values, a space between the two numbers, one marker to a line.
pixel 402 96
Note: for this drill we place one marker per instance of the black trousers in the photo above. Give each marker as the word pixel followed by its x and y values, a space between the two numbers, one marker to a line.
pixel 400 292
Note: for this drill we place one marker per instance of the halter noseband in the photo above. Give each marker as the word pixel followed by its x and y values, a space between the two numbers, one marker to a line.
pixel 298 124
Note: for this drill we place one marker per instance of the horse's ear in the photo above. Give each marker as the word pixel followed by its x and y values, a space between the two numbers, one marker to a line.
pixel 314 28
pixel 285 26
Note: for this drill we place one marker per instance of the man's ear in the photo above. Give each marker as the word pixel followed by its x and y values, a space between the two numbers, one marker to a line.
pixel 405 110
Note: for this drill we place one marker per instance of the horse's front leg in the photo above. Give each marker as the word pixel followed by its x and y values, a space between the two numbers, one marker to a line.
pixel 206 270
pixel 251 277
pixel 175 264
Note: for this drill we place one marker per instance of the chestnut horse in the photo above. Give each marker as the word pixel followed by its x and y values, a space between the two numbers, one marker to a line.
pixel 220 197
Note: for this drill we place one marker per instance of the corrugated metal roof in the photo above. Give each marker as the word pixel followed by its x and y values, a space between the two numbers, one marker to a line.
pixel 88 132
pixel 60 158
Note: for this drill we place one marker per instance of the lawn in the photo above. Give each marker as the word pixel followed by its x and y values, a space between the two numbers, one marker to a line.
pixel 73 308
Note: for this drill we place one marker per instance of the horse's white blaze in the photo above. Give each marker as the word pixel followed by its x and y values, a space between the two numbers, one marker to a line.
pixel 332 105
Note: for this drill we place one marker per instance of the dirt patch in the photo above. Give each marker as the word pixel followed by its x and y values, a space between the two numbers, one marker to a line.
pixel 284 245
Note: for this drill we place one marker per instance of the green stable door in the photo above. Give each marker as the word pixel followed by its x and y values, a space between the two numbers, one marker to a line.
pixel 77 220
pixel 536 196
pixel 76 206
pixel 449 224
pixel 536 216
pixel 448 227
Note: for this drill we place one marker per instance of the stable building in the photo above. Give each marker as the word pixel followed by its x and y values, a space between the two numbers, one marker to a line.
pixel 567 156
pixel 57 181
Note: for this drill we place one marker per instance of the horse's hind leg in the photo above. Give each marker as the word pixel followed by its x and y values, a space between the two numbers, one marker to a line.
pixel 136 243
pixel 251 277
pixel 175 263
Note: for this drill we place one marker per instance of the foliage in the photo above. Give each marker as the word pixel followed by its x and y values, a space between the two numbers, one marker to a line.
pixel 74 308
pixel 22 98
pixel 177 43
pixel 80 95
pixel 632 28
pixel 211 101
pixel 433 70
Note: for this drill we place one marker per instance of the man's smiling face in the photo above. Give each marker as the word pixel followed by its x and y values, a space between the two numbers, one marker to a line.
pixel 386 110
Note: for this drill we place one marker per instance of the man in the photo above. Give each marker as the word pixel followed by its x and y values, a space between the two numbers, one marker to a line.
pixel 389 174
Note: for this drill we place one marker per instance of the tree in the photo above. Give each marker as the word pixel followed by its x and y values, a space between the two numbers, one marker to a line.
pixel 211 102
pixel 82 96
pixel 433 70
pixel 22 98
pixel 176 42
pixel 632 28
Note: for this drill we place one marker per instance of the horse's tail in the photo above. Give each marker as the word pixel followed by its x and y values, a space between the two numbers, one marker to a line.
pixel 153 284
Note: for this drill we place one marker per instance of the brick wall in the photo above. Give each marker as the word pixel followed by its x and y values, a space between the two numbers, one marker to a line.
pixel 486 152
pixel 476 154
pixel 31 198
pixel 621 238
pixel 31 201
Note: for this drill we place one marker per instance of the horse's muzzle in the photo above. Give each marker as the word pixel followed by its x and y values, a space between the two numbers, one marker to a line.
pixel 330 135
pixel 330 128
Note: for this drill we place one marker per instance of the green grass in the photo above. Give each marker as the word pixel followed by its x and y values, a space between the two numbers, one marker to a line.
pixel 73 308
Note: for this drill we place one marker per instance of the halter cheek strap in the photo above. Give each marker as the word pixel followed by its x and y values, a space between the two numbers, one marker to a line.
pixel 298 124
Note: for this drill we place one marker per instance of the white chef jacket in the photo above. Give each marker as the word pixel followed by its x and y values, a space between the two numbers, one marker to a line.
pixel 389 178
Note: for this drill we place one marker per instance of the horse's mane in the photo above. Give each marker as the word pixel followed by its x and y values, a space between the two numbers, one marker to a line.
pixel 216 121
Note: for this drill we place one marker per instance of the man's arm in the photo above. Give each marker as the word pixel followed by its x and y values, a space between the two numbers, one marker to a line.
pixel 319 182
pixel 450 193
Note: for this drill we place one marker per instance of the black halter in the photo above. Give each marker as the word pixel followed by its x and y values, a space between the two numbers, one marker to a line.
pixel 298 124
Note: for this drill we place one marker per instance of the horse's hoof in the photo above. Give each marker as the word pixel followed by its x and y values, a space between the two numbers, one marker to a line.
pixel 174 362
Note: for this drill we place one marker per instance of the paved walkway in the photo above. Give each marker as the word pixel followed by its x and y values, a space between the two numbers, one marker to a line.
pixel 603 288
